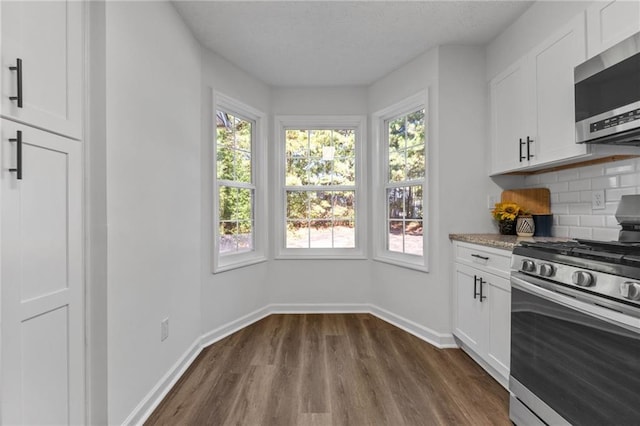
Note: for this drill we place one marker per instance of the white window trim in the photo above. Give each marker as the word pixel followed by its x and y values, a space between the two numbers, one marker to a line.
pixel 259 178
pixel 379 182
pixel 356 122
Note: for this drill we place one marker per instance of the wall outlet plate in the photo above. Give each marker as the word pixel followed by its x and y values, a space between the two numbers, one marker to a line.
pixel 597 200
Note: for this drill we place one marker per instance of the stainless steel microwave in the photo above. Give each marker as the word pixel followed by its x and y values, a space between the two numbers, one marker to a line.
pixel 607 96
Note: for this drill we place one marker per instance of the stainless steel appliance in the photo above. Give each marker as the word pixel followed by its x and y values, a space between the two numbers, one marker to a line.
pixel 575 329
pixel 607 95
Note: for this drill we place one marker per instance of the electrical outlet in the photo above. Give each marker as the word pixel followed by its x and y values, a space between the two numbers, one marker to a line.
pixel 164 329
pixel 597 200
pixel 491 201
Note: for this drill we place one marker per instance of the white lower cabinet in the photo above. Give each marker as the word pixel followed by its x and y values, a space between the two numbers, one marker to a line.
pixel 482 307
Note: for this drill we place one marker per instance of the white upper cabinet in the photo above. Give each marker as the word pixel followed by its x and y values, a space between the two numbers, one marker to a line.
pixel 610 22
pixel 532 104
pixel 552 64
pixel 47 39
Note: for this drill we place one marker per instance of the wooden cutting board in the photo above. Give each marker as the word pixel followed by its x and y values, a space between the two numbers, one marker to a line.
pixel 534 200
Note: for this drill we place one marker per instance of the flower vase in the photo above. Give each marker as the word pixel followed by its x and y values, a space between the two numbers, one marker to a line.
pixel 525 226
pixel 507 227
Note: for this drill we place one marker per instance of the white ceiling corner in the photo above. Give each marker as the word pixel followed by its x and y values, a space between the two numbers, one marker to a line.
pixel 338 43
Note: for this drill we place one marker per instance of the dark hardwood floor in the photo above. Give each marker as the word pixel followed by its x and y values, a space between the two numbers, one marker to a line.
pixel 338 369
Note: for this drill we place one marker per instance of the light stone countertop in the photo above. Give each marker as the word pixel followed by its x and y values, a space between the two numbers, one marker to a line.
pixel 506 242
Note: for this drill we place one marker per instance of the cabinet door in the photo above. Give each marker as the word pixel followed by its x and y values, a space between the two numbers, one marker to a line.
pixel 611 22
pixel 48 37
pixel 552 64
pixel 42 351
pixel 470 318
pixel 508 110
pixel 499 346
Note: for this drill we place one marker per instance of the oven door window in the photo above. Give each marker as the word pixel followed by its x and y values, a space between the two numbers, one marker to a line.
pixel 585 368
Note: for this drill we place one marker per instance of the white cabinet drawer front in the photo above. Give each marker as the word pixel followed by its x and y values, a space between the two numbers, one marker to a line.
pixel 494 261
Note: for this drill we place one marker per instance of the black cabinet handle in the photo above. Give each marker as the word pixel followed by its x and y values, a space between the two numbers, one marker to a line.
pixel 18 168
pixel 18 69
pixel 475 286
pixel 480 257
pixel 482 297
pixel 529 155
pixel 521 156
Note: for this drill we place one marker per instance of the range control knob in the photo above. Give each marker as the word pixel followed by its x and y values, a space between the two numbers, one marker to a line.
pixel 547 270
pixel 528 266
pixel 582 279
pixel 630 290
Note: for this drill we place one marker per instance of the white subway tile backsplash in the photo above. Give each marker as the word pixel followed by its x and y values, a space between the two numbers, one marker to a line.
pixel 559 187
pixel 604 182
pixel 571 192
pixel 591 171
pixel 569 197
pixel 580 232
pixel 560 231
pixel 582 208
pixel 605 234
pixel 580 185
pixel 622 167
pixel 615 194
pixel 592 220
pixel 569 220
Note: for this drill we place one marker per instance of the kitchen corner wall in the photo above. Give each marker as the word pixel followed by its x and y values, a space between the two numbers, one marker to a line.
pixel 571 197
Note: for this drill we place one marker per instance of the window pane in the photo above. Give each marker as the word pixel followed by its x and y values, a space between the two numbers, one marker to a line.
pixel 396 133
pixel 297 172
pixel 413 198
pixel 297 205
pixel 243 167
pixel 397 166
pixel 318 140
pixel 243 134
pixel 396 203
pixel 321 233
pixel 297 234
pixel 415 162
pixel 344 204
pixel 345 143
pixel 226 203
pixel 320 205
pixel 344 234
pixel 413 238
pixel 344 171
pixel 395 240
pixel 297 143
pixel 227 241
pixel 319 171
pixel 245 235
pixel 224 163
pixel 244 204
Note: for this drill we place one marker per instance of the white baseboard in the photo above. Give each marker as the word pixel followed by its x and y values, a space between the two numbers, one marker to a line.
pixel 439 340
pixel 318 308
pixel 151 401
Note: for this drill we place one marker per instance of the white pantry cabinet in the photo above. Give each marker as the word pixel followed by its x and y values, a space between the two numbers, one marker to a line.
pixel 532 104
pixel 609 22
pixel 482 306
pixel 42 69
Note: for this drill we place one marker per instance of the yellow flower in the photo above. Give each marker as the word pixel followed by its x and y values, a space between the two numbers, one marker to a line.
pixel 506 211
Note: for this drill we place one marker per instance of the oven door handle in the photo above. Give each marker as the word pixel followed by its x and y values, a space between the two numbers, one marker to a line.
pixel 590 308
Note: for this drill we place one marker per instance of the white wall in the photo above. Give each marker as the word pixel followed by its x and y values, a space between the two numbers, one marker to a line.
pixel 153 196
pixel 228 296
pixel 457 178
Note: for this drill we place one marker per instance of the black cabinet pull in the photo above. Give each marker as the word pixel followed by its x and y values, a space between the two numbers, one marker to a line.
pixel 18 69
pixel 475 286
pixel 529 155
pixel 482 297
pixel 521 156
pixel 18 140
pixel 480 257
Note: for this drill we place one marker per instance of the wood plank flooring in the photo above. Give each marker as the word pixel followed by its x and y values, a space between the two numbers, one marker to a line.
pixel 331 369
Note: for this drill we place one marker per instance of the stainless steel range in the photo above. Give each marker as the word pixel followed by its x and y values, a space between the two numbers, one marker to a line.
pixel 575 329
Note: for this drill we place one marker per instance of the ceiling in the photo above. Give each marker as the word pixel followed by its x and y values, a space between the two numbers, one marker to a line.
pixel 339 43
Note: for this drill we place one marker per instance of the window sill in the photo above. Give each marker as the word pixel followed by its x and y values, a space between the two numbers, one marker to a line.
pixel 403 262
pixel 239 263
pixel 328 254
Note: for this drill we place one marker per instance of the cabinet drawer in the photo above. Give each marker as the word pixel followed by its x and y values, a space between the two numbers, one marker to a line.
pixel 492 260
